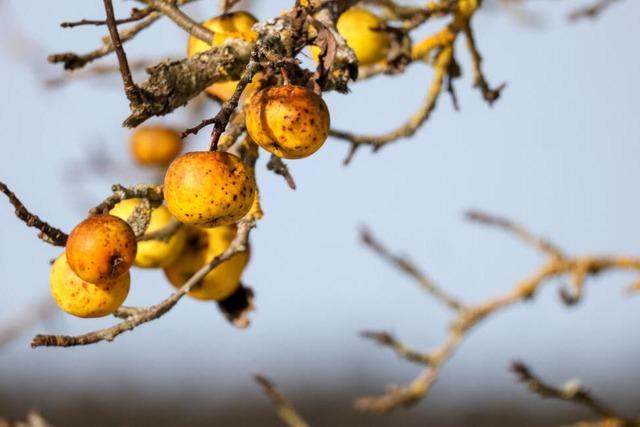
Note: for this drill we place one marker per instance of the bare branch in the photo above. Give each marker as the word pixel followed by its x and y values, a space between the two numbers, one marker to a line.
pixel 479 80
pixel 570 392
pixel 153 193
pixel 388 340
pixel 73 61
pixel 181 19
pixel 407 267
pixel 285 410
pixel 167 88
pixel 279 167
pixel 130 88
pixel 136 15
pixel 470 316
pixel 26 318
pixel 48 233
pixel 416 120
pixel 592 11
pixel 495 221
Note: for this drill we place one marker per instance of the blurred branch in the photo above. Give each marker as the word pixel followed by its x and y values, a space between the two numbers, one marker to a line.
pixel 25 318
pixel 279 167
pixel 572 392
pixel 388 340
pixel 73 61
pixel 592 11
pixel 468 316
pixel 409 268
pixel 136 15
pixel 94 71
pixel 284 408
pixel 34 419
pixel 537 242
pixel 48 233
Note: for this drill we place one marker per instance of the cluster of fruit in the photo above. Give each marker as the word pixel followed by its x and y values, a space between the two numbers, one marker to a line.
pixel 206 191
pixel 91 277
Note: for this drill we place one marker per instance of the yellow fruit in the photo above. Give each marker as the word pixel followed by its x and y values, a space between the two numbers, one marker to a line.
pixel 289 121
pixel 85 299
pixel 155 145
pixel 101 248
pixel 209 188
pixel 357 25
pixel 467 7
pixel 229 25
pixel 203 244
pixel 153 253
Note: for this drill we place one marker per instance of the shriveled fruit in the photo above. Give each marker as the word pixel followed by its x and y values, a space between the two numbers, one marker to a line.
pixel 153 253
pixel 229 25
pixel 203 244
pixel 209 188
pixel 155 145
pixel 101 248
pixel 289 121
pixel 82 298
pixel 358 27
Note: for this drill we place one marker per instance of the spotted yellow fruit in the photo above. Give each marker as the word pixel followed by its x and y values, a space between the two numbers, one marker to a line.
pixel 229 25
pixel 289 121
pixel 209 188
pixel 203 244
pixel 82 298
pixel 155 145
pixel 101 248
pixel 153 253
pixel 357 26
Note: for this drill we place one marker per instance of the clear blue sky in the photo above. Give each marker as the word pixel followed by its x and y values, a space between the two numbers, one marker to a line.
pixel 559 152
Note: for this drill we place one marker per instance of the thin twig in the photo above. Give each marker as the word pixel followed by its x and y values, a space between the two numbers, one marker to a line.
pixel 164 234
pixel 25 318
pixel 73 61
pixel 136 15
pixel 279 167
pixel 592 11
pixel 416 120
pixel 221 119
pixel 48 233
pixel 284 408
pixel 479 80
pixel 130 89
pixel 171 11
pixel 151 192
pixel 409 268
pixel 572 392
pixel 388 340
pixel 505 224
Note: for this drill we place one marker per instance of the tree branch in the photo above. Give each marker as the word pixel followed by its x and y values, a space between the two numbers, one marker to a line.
pixel 572 392
pixel 471 315
pixel 284 408
pixel 48 233
pixel 130 88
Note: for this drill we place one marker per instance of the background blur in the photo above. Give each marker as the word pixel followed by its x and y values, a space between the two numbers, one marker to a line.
pixel 559 152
